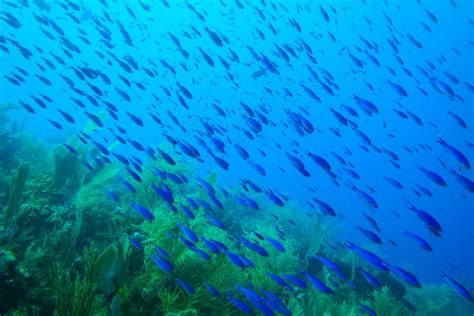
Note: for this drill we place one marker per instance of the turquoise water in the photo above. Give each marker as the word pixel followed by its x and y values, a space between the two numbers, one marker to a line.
pixel 226 157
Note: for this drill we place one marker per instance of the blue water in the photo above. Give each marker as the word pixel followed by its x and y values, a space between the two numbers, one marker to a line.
pixel 446 49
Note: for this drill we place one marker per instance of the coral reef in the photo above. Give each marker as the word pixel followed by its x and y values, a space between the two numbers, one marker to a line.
pixel 69 248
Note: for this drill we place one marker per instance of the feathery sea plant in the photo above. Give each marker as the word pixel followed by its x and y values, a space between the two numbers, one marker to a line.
pixel 16 193
pixel 75 297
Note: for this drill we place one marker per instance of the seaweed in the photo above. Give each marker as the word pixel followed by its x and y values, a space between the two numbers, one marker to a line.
pixel 16 193
pixel 385 304
pixel 75 297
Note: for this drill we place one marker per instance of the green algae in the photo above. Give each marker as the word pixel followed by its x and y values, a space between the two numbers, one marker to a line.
pixel 16 193
pixel 75 297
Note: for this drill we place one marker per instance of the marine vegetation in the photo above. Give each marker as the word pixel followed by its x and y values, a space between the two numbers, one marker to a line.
pixel 74 245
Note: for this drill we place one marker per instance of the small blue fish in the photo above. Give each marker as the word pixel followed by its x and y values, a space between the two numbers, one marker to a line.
pixel 325 207
pixel 215 222
pixel 433 176
pixel 28 108
pixel 128 185
pixel 71 149
pixel 189 214
pixel 167 157
pixel 188 288
pixel 235 259
pixel 161 251
pixel 254 247
pixel 211 245
pixel 188 232
pixel 277 279
pixel 368 310
pixel 249 293
pixel 191 202
pixel 467 183
pixel 328 263
pixel 318 284
pixel 455 153
pixel 398 88
pixel 275 199
pixel 204 255
pixel 370 278
pixel 405 276
pixel 163 264
pixel 55 124
pixel 367 106
pixel 368 256
pixel 276 244
pixel 428 219
pixel 189 244
pixel 135 243
pixel 258 168
pixel 395 183
pixel 320 161
pixel 135 119
pixel 247 262
pixel 240 305
pixel 114 197
pixel 420 241
pixel 164 192
pixel 458 287
pixel 94 119
pixel 369 200
pixel 220 245
pixel 458 119
pixel 296 281
pixel 370 235
pixel 146 213
pixel 212 289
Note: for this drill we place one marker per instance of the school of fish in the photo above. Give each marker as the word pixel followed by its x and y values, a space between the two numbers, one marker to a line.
pixel 264 90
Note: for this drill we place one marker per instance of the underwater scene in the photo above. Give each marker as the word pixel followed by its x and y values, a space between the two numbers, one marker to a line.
pixel 237 157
